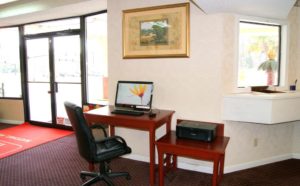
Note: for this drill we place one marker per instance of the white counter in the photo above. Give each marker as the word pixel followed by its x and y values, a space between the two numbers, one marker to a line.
pixel 262 108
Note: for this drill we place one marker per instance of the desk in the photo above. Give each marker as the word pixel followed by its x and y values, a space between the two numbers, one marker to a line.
pixel 104 115
pixel 213 151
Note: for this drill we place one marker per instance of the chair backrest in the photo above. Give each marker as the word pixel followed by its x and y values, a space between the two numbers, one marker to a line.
pixel 85 140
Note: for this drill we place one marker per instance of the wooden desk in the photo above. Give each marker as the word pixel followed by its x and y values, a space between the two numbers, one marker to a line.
pixel 213 151
pixel 104 115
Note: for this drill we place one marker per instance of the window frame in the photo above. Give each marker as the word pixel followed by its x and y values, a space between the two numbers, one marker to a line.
pixel 86 78
pixel 282 73
pixel 279 47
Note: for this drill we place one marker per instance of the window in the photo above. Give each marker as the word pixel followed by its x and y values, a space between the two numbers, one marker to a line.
pixel 52 26
pixel 96 58
pixel 259 54
pixel 10 76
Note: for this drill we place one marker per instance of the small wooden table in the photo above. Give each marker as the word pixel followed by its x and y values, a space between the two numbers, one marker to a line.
pixel 210 151
pixel 146 123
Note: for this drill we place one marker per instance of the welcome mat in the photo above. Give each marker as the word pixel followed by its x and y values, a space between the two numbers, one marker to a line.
pixel 25 136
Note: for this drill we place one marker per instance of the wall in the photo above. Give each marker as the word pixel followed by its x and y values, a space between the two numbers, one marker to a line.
pixel 11 111
pixel 294 69
pixel 296 140
pixel 181 84
pixel 194 86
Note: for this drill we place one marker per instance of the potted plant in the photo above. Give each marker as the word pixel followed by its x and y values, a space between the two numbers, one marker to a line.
pixel 270 66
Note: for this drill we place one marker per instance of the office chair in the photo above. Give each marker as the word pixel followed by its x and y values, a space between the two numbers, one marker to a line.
pixel 93 151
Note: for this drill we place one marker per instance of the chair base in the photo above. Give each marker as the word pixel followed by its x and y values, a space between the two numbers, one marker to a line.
pixel 106 177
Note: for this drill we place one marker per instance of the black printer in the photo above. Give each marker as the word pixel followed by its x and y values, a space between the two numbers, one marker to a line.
pixel 196 130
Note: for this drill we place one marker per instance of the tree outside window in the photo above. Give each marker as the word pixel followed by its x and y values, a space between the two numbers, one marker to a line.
pixel 259 54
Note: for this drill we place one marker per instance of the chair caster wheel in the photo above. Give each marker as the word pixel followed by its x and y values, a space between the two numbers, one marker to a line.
pixel 128 177
pixel 82 177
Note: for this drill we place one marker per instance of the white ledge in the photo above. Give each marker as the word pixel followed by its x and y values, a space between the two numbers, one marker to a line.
pixel 264 108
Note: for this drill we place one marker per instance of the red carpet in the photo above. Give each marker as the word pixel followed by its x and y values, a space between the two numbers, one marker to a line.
pixel 25 136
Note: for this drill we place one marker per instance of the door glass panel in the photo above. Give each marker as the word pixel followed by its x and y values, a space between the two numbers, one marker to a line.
pixel 67 74
pixel 38 60
pixel 66 92
pixel 67 59
pixel 39 101
pixel 39 80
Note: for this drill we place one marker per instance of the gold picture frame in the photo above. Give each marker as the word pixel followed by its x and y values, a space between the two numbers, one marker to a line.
pixel 160 31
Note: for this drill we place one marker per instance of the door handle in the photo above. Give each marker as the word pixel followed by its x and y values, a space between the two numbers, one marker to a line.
pixel 55 87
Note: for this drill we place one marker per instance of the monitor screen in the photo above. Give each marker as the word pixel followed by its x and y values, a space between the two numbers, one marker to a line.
pixel 134 94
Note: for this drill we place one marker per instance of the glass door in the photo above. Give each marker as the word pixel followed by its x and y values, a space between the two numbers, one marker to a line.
pixel 53 77
pixel 67 74
pixel 38 80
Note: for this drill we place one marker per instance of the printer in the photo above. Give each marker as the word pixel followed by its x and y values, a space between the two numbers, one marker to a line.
pixel 196 130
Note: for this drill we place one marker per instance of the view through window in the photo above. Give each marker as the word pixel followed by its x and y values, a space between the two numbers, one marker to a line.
pixel 10 76
pixel 259 54
pixel 96 56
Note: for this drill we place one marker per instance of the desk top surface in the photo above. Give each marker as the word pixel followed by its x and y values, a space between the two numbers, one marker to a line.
pixel 105 112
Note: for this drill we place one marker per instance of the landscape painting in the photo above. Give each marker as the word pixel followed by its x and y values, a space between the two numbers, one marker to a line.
pixel 154 32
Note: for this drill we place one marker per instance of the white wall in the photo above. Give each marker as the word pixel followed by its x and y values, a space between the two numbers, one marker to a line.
pixel 194 86
pixel 295 67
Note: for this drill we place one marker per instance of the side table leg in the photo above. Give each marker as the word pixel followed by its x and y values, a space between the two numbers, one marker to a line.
pixel 161 168
pixel 222 158
pixel 174 162
pixel 215 172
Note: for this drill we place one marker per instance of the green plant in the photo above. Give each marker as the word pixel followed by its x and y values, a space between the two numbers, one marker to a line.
pixel 270 66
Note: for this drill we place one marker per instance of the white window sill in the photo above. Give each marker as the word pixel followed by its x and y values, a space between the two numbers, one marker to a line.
pixel 263 108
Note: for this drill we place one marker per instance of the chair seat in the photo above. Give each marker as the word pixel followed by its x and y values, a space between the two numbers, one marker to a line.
pixel 110 149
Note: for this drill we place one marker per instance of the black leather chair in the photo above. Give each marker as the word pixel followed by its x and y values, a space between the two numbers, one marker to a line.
pixel 93 151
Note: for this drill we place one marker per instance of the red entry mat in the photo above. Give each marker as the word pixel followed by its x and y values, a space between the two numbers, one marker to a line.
pixel 25 136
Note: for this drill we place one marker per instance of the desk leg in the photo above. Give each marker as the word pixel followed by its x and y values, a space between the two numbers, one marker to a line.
pixel 168 125
pixel 111 130
pixel 215 171
pixel 152 155
pixel 91 167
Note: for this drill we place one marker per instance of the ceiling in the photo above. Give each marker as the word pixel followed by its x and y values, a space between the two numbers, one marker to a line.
pixel 274 9
pixel 25 11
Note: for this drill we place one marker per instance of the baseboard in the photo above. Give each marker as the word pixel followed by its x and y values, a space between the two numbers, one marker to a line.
pixel 227 169
pixel 252 164
pixel 137 157
pixel 296 156
pixel 11 121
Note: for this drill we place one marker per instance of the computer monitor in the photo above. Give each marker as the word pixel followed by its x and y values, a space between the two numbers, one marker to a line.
pixel 136 95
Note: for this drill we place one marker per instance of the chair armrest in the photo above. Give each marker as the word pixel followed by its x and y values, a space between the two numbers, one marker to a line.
pixel 99 126
pixel 119 138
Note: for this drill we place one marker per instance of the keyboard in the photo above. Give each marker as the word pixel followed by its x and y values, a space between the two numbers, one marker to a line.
pixel 128 112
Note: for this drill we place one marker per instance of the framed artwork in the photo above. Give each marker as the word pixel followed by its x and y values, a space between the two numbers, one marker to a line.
pixel 161 31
